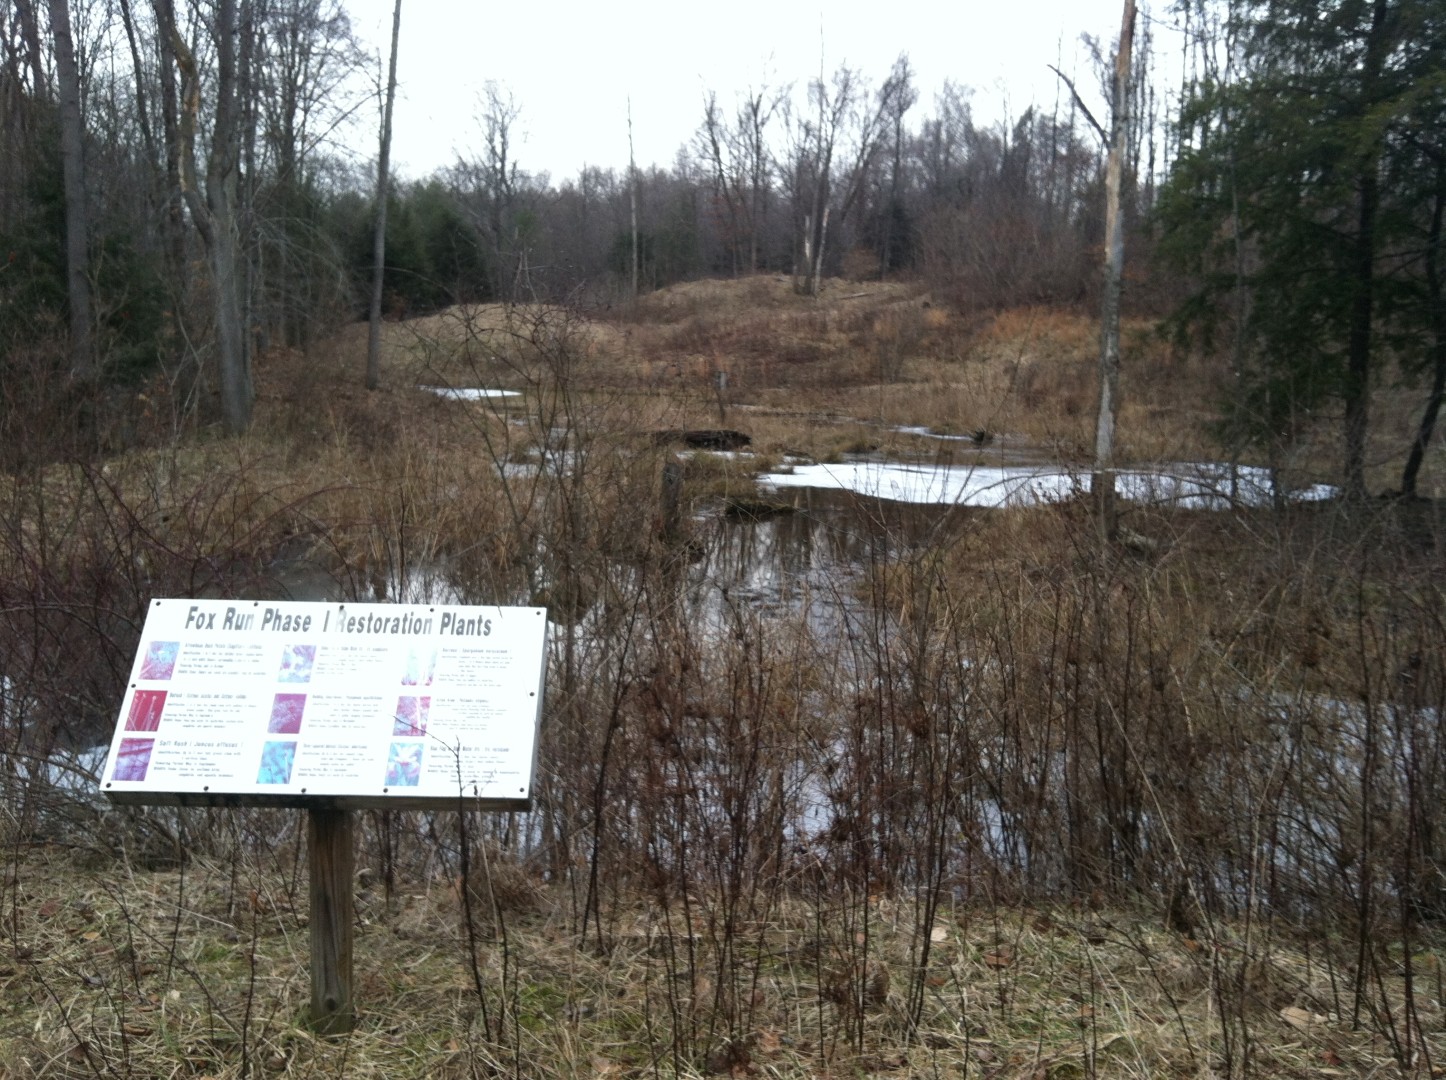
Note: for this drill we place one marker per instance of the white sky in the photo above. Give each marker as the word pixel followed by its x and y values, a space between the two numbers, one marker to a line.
pixel 571 65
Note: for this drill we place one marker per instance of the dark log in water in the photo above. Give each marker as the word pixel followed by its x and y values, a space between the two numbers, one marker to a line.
pixel 703 438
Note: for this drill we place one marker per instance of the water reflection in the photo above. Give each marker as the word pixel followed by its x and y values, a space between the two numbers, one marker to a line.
pixel 808 551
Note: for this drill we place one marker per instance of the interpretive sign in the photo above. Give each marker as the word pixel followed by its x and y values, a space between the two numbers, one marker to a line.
pixel 341 705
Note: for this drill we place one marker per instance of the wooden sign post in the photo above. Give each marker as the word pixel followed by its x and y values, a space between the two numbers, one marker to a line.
pixel 331 708
pixel 332 851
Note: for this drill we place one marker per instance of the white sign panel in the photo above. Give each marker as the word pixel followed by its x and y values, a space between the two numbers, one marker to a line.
pixel 352 705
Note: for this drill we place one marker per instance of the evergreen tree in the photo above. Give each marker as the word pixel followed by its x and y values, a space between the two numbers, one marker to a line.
pixel 1289 208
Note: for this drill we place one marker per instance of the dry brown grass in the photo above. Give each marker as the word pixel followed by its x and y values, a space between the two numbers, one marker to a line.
pixel 875 354
pixel 862 355
pixel 110 971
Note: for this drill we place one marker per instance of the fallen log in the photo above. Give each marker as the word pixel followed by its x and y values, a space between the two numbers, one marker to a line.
pixel 703 438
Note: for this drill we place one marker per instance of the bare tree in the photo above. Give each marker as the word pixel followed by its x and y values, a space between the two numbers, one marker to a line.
pixel 814 165
pixel 1102 481
pixel 713 138
pixel 306 64
pixel 633 199
pixel 899 102
pixel 307 85
pixel 846 126
pixel 739 163
pixel 379 237
pixel 173 218
pixel 215 214
pixel 72 153
pixel 29 32
pixel 756 113
pixel 499 182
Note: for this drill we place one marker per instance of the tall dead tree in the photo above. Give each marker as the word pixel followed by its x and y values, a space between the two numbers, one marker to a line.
pixel 379 238
pixel 633 199
pixel 822 137
pixel 1102 481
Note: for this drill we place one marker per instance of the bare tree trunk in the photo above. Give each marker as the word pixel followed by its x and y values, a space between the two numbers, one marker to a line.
pixel 499 178
pixel 813 235
pixel 1357 390
pixel 30 32
pixel 223 167
pixel 173 222
pixel 633 197
pixel 228 280
pixel 379 237
pixel 251 269
pixel 143 118
pixel 1102 482
pixel 1427 426
pixel 756 160
pixel 816 221
pixel 800 283
pixel 815 274
pixel 713 137
pixel 175 225
pixel 215 215
pixel 72 153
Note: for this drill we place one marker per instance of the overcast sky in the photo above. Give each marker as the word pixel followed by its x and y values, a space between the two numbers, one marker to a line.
pixel 572 65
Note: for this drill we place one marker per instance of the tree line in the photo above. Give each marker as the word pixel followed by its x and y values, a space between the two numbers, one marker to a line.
pixel 175 194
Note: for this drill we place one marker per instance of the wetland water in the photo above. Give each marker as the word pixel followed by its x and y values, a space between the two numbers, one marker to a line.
pixel 813 529
pixel 817 527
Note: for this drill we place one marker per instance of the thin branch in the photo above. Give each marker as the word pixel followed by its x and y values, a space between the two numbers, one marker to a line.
pixel 1104 137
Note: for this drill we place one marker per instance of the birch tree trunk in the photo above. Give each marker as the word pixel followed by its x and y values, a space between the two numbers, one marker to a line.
pixel 1102 481
pixel 815 273
pixel 379 237
pixel 816 222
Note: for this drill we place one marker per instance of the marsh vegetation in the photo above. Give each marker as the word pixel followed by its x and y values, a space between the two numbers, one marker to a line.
pixel 828 786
